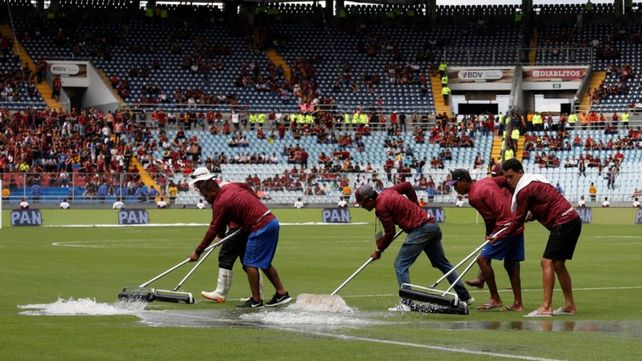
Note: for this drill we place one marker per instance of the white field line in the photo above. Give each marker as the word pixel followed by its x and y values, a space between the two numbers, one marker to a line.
pixel 397 343
pixel 191 225
pixel 615 288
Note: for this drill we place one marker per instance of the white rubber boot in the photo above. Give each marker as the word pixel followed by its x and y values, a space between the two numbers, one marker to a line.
pixel 222 286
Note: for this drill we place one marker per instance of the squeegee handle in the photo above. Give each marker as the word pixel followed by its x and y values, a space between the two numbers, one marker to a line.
pixel 370 260
pixel 206 254
pixel 477 250
pixel 164 273
pixel 461 275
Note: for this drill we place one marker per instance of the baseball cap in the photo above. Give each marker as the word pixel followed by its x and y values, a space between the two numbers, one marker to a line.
pixel 200 174
pixel 365 191
pixel 497 170
pixel 457 175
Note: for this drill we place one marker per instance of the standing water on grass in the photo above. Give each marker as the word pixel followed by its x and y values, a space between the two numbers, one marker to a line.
pixel 82 307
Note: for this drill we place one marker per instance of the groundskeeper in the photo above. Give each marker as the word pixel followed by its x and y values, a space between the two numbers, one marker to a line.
pixel 534 193
pixel 237 203
pixel 231 250
pixel 493 204
pixel 398 206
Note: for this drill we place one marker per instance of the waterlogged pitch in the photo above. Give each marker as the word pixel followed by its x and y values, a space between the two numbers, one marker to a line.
pixel 60 283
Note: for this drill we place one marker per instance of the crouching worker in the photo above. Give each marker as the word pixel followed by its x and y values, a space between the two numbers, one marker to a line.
pixel 424 235
pixel 237 203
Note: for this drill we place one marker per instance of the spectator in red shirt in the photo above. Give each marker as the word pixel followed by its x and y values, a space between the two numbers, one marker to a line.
pixel 532 192
pixel 493 204
pixel 237 203
pixel 424 235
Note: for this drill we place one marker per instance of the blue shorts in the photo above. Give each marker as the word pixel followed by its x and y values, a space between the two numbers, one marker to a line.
pixel 261 246
pixel 510 248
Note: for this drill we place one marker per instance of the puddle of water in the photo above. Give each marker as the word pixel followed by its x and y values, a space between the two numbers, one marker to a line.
pixel 293 317
pixel 82 307
pixel 283 317
pixel 630 328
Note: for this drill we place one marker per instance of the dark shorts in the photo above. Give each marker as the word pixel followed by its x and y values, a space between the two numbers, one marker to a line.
pixel 261 246
pixel 232 249
pixel 509 248
pixel 562 240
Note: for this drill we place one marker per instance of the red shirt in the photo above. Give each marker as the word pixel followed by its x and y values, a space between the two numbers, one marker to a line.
pixel 392 208
pixel 493 204
pixel 235 203
pixel 547 205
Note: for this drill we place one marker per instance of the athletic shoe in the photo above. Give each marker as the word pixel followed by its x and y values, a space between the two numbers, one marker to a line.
pixel 213 296
pixel 278 299
pixel 250 304
pixel 470 301
pixel 400 308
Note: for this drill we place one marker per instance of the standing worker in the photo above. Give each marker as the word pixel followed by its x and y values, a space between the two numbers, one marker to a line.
pixel 237 203
pixel 424 235
pixel 532 192
pixel 493 204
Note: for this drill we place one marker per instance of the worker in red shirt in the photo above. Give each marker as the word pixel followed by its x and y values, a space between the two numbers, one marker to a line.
pixel 424 235
pixel 493 204
pixel 534 193
pixel 237 203
pixel 231 250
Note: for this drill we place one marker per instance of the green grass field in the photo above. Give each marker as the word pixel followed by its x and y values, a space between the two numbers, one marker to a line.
pixel 40 265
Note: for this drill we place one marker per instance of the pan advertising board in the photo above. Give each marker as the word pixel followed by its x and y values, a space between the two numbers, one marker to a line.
pixel 335 215
pixel 437 212
pixel 26 217
pixel 586 214
pixel 133 216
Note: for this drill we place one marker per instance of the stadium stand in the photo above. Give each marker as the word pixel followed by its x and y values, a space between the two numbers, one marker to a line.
pixel 209 87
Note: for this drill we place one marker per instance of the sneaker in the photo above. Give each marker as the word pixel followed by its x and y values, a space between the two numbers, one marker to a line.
pixel 213 296
pixel 250 304
pixel 400 308
pixel 278 299
pixel 470 301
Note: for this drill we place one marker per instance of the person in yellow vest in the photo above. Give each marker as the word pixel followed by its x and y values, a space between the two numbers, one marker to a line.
pixel 309 119
pixel 363 119
pixel 346 118
pixel 514 136
pixel 260 119
pixel 529 122
pixel 538 122
pixel 625 120
pixel 572 119
pixel 500 121
pixel 6 192
pixel 444 80
pixel 508 154
pixel 442 68
pixel 252 120
pixel 445 92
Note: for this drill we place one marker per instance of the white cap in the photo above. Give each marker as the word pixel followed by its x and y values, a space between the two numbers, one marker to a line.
pixel 200 174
